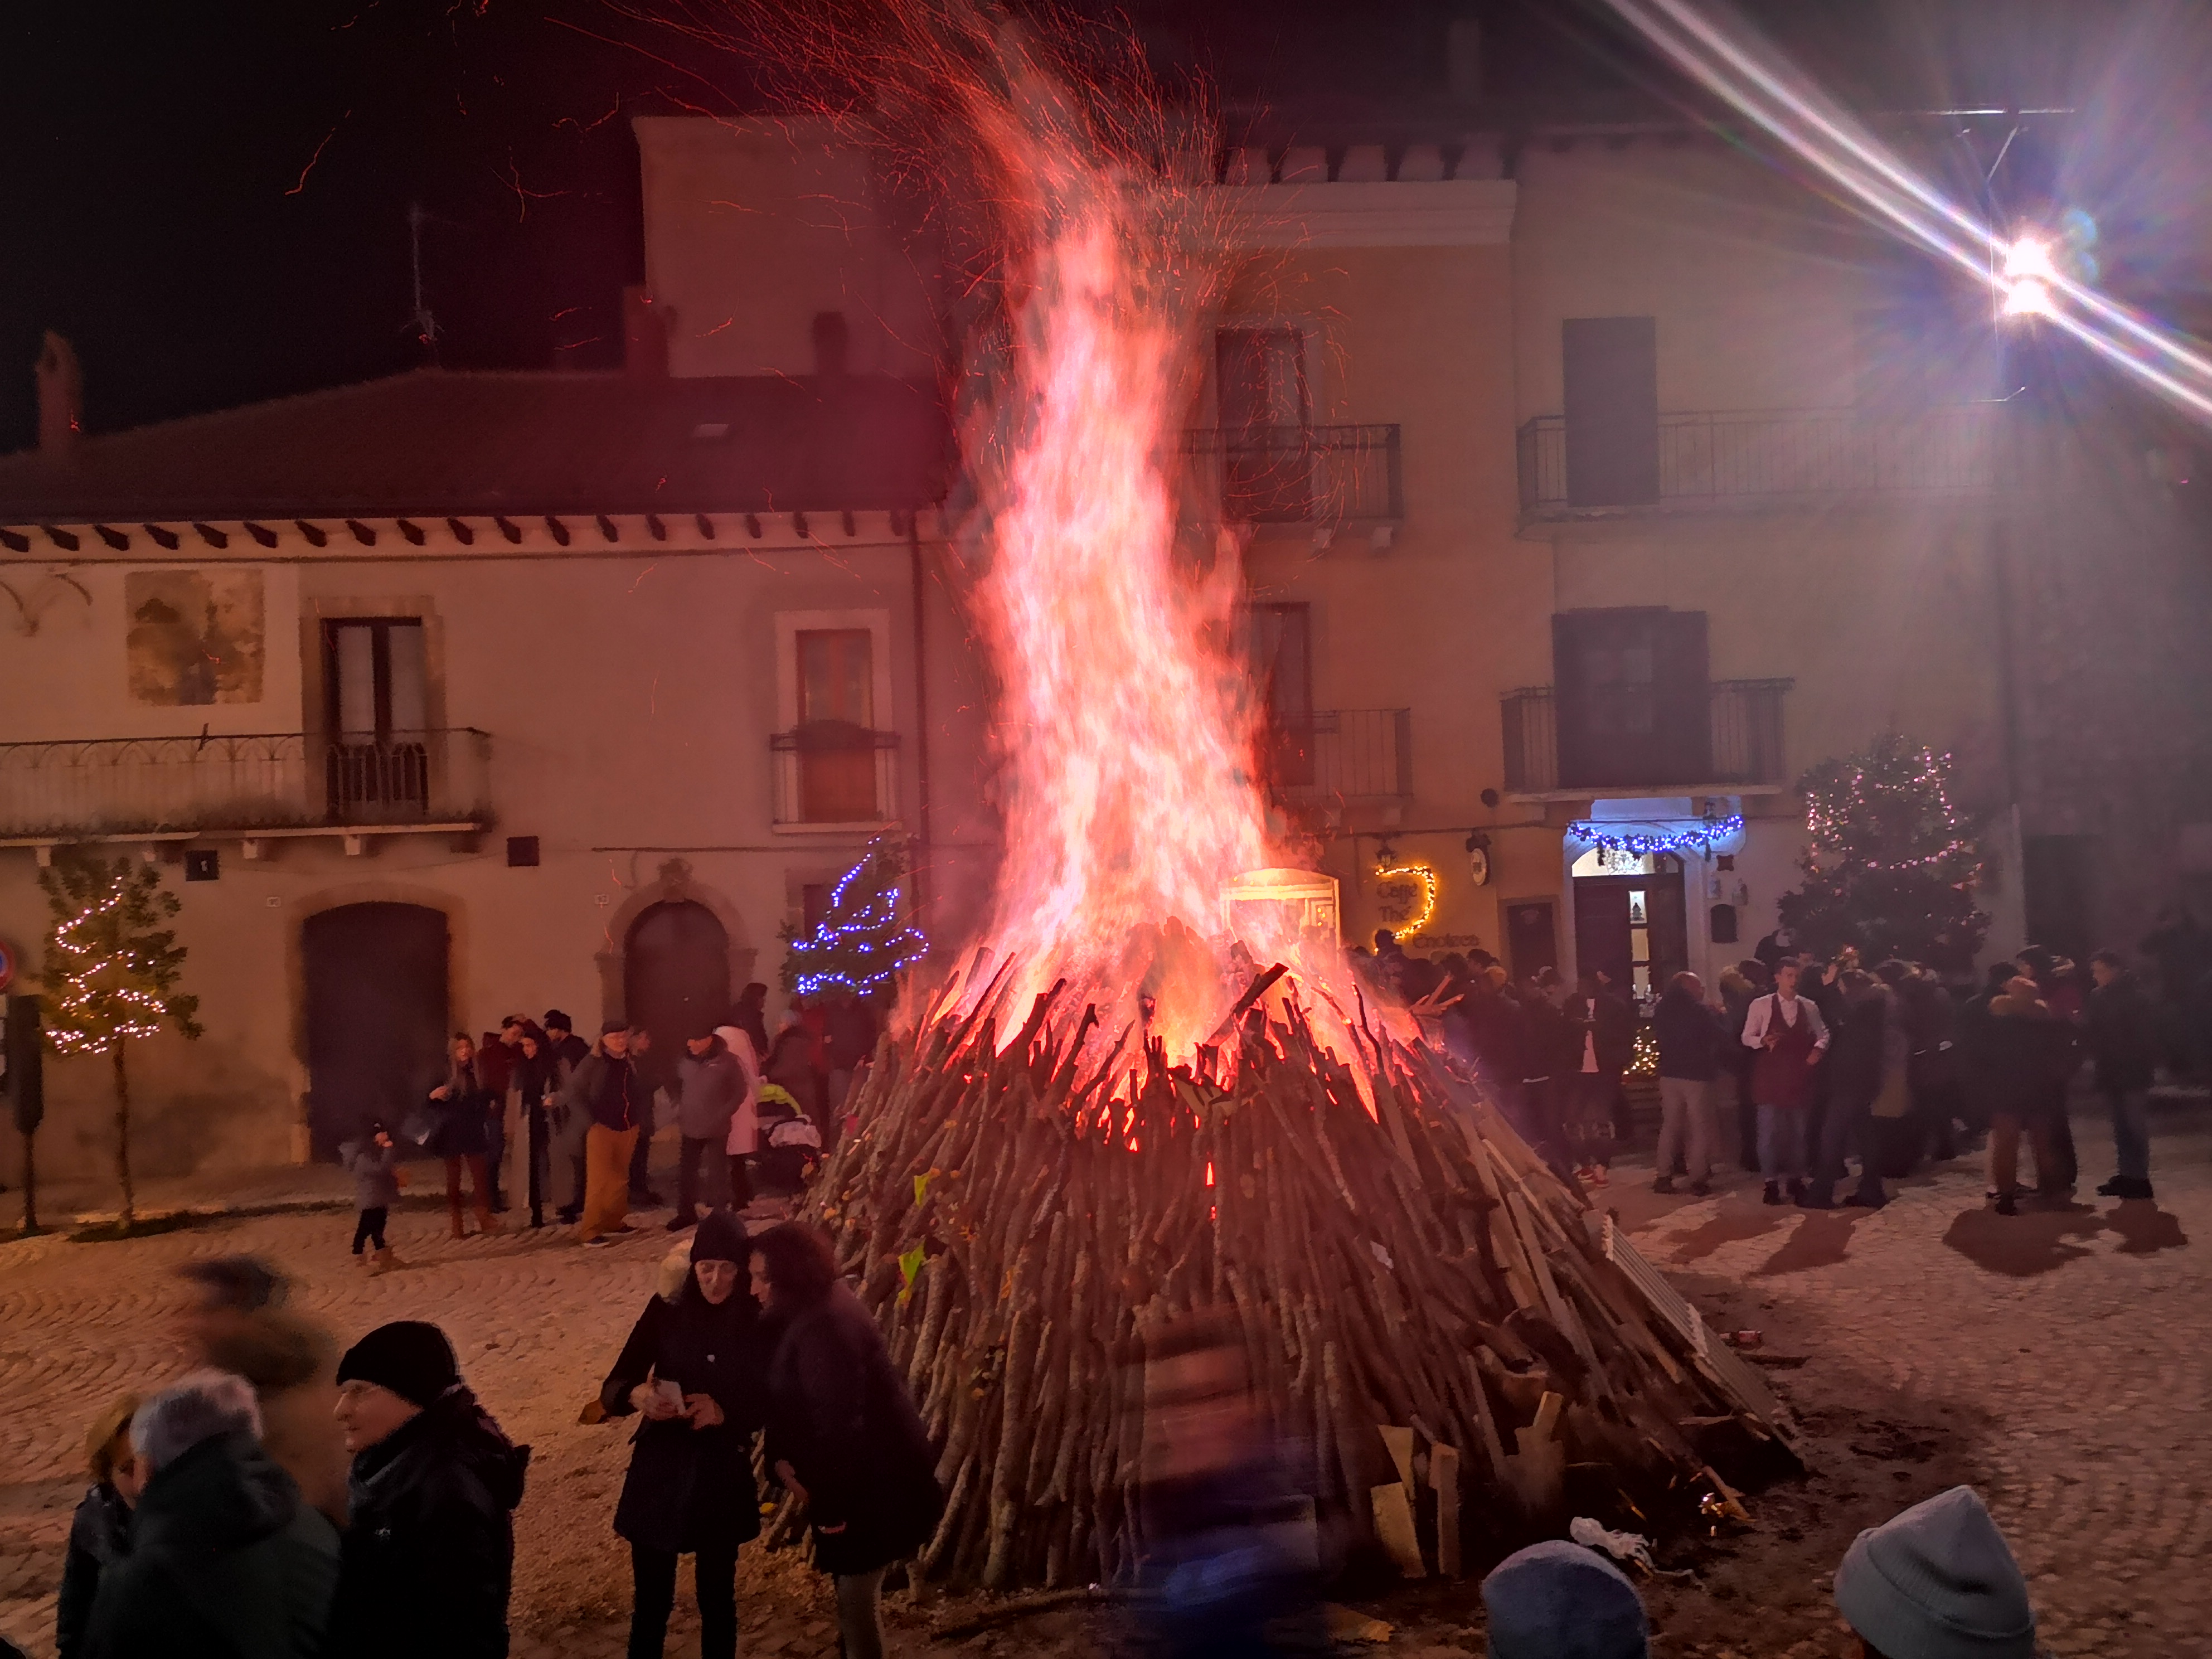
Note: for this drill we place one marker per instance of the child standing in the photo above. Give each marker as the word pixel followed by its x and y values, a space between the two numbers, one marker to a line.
pixel 373 1164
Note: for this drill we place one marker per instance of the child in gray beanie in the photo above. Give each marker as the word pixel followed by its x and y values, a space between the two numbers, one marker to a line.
pixel 1559 1600
pixel 1937 1582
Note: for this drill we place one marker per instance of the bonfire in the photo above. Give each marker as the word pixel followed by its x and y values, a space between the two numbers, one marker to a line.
pixel 1115 1115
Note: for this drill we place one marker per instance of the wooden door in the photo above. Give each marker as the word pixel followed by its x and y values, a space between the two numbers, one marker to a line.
pixel 1532 938
pixel 676 974
pixel 1610 366
pixel 377 1016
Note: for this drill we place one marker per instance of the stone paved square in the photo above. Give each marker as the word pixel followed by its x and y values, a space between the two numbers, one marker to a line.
pixel 2060 1362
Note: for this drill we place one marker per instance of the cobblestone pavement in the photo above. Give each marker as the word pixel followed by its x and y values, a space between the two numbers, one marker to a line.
pixel 2061 1362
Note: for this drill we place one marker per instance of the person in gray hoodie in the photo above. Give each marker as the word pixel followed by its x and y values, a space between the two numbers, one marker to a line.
pixel 711 1086
pixel 373 1161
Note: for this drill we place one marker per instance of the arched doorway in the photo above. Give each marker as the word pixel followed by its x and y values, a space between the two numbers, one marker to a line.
pixel 376 1015
pixel 676 972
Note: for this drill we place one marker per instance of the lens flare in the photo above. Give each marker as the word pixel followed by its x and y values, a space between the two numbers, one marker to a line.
pixel 1760 84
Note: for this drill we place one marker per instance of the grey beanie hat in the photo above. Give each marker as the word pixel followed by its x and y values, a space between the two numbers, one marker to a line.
pixel 1559 1600
pixel 1937 1582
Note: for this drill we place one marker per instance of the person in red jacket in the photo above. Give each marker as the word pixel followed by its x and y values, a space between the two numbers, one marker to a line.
pixel 1785 1030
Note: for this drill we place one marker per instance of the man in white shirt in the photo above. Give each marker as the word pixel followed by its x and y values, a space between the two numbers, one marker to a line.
pixel 1787 1031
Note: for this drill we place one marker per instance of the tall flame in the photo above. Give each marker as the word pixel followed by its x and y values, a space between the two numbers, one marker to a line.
pixel 1131 799
pixel 1125 732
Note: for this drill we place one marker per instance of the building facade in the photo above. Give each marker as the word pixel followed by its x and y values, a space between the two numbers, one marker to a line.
pixel 1590 480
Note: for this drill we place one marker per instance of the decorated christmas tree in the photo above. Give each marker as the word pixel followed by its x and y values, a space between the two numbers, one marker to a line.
pixel 862 940
pixel 1891 867
pixel 110 974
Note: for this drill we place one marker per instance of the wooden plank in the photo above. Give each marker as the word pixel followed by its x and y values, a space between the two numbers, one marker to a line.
pixel 1443 1476
pixel 1394 1526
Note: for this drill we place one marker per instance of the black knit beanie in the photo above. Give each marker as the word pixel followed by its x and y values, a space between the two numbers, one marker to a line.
pixel 720 1238
pixel 410 1358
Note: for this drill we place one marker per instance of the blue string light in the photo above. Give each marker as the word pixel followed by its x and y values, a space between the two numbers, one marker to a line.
pixel 1697 838
pixel 877 928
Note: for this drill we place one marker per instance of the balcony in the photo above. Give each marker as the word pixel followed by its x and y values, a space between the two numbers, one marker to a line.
pixel 255 785
pixel 1742 747
pixel 1341 756
pixel 1710 461
pixel 831 774
pixel 1323 476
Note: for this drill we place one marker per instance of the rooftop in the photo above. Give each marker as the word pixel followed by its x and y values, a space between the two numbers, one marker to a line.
pixel 435 442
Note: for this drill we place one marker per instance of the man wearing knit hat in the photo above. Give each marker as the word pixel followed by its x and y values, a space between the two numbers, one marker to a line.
pixel 1937 1582
pixel 428 1561
pixel 1559 1600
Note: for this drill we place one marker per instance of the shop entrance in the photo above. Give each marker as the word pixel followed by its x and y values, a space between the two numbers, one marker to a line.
pixel 1631 922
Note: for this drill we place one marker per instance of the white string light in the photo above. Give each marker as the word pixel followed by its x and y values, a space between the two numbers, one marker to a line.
pixel 84 1005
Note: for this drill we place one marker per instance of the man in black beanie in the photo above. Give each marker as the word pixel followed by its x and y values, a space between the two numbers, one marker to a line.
pixel 429 1561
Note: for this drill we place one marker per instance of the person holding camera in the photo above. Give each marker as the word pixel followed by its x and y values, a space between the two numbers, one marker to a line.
pixel 694 1370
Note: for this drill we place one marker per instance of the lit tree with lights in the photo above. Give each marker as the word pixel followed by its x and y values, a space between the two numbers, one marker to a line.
pixel 862 942
pixel 1891 867
pixel 110 974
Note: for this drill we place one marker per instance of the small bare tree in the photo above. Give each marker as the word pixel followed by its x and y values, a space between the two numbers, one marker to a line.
pixel 110 974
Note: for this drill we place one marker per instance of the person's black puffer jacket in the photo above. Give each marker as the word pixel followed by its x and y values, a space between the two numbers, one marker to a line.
pixel 691 1489
pixel 843 1419
pixel 1690 1037
pixel 100 1532
pixel 226 1562
pixel 429 1556
pixel 2123 1035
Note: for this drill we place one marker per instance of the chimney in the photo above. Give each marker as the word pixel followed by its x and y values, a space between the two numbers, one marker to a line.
pixel 61 398
pixel 833 343
pixel 644 334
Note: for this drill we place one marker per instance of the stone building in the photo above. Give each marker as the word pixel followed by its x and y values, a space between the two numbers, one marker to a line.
pixel 1585 482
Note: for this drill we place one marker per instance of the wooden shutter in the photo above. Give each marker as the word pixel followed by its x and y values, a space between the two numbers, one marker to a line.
pixel 1612 375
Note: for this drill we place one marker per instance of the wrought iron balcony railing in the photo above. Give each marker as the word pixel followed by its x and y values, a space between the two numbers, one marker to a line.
pixel 231 783
pixel 833 772
pixel 1741 744
pixel 1340 755
pixel 1709 460
pixel 1319 474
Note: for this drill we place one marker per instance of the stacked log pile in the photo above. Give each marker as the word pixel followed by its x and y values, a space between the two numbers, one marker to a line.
pixel 1417 1291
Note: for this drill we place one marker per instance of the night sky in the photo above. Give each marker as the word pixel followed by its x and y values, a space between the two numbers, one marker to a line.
pixel 211 201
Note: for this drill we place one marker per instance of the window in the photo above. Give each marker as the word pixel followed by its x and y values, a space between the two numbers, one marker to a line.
pixel 836 736
pixel 1610 366
pixel 1282 662
pixel 1634 700
pixel 1266 409
pixel 377 676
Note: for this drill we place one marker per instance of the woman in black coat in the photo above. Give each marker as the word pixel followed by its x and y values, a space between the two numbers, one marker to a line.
pixel 692 1370
pixel 842 1430
pixel 464 1108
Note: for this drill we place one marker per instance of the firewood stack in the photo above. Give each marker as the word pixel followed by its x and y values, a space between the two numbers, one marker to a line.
pixel 1422 1303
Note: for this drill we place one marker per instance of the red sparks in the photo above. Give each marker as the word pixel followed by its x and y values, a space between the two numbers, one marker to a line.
pixel 317 157
pixel 523 196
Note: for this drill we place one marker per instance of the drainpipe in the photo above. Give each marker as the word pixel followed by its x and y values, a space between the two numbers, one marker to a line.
pixel 920 860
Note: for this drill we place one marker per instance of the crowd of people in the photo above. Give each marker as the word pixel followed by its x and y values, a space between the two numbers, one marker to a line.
pixel 1820 1060
pixel 534 1114
pixel 282 1500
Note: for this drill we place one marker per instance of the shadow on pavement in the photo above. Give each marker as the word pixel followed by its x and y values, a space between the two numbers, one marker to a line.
pixel 2144 1229
pixel 2026 1245
pixel 1821 1240
pixel 1733 1223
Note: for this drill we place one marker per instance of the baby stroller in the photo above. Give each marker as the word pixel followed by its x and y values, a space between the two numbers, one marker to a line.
pixel 790 1144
